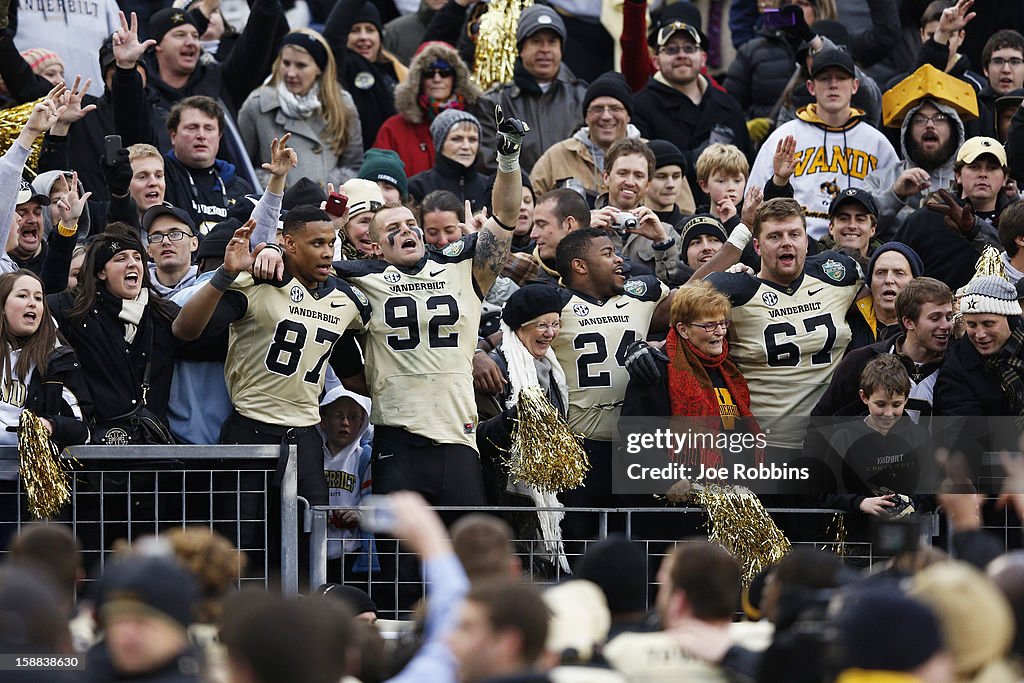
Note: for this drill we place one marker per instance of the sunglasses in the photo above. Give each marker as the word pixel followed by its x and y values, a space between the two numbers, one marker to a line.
pixel 666 31
pixel 444 72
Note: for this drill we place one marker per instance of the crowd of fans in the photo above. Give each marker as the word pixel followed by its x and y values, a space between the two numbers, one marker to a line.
pixel 798 220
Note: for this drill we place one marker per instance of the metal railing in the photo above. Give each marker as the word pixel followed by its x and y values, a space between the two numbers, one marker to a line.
pixel 132 491
pixel 532 553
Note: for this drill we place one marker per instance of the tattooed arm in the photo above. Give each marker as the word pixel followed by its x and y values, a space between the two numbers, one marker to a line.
pixel 493 242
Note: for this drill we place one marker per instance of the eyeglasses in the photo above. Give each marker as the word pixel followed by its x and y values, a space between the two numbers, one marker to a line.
pixel 612 109
pixel 922 120
pixel 173 235
pixel 673 50
pixel 711 327
pixel 443 73
pixel 1000 62
pixel 548 327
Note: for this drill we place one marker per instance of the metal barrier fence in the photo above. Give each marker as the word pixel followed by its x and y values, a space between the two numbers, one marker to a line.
pixel 132 491
pixel 393 590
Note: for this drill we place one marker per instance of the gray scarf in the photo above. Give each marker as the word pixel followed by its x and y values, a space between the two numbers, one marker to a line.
pixel 298 106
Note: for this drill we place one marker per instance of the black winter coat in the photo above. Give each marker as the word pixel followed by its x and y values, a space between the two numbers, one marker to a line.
pixel 465 183
pixel 760 73
pixel 113 368
pixel 663 113
pixel 46 397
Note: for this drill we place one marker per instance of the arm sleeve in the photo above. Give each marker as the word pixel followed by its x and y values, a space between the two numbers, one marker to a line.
pixel 54 154
pixel 121 209
pixel 446 26
pixel 131 108
pixel 70 425
pixel 57 261
pixel 446 588
pixel 347 357
pixel 336 29
pixel 876 42
pixel 266 214
pixel 635 61
pixel 22 83
pixel 250 60
pixel 742 20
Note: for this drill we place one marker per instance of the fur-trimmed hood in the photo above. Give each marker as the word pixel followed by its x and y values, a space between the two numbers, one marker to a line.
pixel 407 92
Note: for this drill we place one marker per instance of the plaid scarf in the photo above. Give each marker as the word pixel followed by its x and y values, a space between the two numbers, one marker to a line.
pixel 1008 365
pixel 432 107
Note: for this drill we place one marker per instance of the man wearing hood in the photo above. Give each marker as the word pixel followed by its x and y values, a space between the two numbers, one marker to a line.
pixel 835 148
pixel 345 428
pixel 930 135
pixel 197 181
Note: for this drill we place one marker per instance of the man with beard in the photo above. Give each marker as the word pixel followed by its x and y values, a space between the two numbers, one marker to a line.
pixel 930 135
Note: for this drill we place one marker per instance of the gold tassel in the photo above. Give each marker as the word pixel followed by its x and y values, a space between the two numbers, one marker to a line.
pixel 837 529
pixel 12 120
pixel 739 523
pixel 990 263
pixel 47 484
pixel 496 51
pixel 544 453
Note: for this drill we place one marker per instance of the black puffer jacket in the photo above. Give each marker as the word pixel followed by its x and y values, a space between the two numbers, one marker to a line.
pixel 62 397
pixel 760 73
pixel 465 183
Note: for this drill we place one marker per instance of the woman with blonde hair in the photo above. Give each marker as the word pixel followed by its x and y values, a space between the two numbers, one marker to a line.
pixel 303 97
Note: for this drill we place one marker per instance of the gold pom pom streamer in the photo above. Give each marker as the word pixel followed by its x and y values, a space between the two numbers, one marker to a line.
pixel 990 263
pixel 12 120
pixel 495 56
pixel 544 453
pixel 47 484
pixel 739 523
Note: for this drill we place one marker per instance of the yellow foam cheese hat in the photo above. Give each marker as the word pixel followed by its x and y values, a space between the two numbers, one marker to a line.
pixel 928 83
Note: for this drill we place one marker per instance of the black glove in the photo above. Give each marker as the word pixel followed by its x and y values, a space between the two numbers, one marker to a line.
pixel 117 173
pixel 799 29
pixel 510 132
pixel 642 361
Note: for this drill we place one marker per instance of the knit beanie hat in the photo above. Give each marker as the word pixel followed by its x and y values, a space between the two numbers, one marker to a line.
pixel 990 294
pixel 162 21
pixel 368 14
pixel 701 224
pixel 445 121
pixel 363 195
pixel 901 643
pixel 303 192
pixel 386 166
pixel 609 84
pixel 619 568
pixel 666 154
pixel 916 264
pixel 39 58
pixel 530 302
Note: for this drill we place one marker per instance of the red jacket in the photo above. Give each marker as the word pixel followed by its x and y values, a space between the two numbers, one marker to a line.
pixel 411 141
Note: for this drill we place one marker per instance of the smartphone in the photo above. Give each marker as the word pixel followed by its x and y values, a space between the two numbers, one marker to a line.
pixel 336 204
pixel 111 147
pixel 776 19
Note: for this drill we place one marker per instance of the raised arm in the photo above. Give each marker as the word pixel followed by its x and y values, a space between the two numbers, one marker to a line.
pixel 268 209
pixel 127 92
pixel 196 314
pixel 496 237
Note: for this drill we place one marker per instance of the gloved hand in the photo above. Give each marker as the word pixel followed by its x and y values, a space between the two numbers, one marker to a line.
pixel 903 507
pixel 509 140
pixel 642 361
pixel 117 172
pixel 759 128
pixel 958 217
pixel 800 29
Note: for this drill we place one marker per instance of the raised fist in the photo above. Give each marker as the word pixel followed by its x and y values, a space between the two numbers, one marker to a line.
pixel 510 132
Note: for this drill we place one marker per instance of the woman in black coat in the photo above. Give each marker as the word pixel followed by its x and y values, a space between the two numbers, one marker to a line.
pixel 456 135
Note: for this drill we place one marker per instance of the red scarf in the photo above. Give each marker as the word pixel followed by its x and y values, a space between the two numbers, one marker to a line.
pixel 691 393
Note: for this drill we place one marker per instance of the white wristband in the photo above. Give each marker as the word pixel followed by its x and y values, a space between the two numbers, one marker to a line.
pixel 740 237
pixel 508 163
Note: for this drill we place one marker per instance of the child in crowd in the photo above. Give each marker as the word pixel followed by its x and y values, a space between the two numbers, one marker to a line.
pixel 722 173
pixel 887 467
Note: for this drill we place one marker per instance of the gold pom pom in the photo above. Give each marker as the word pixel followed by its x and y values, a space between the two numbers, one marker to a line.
pixel 47 484
pixel 496 50
pixel 739 523
pixel 990 263
pixel 12 120
pixel 544 453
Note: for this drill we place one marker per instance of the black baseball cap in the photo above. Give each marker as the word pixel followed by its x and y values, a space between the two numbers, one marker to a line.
pixel 835 57
pixel 154 212
pixel 853 194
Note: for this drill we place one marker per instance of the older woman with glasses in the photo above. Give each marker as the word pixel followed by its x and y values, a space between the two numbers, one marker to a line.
pixel 697 379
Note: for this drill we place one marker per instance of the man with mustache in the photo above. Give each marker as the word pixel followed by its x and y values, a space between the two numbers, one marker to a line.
pixel 930 135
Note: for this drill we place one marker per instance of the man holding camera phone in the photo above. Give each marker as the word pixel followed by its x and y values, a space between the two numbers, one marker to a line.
pixel 629 165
